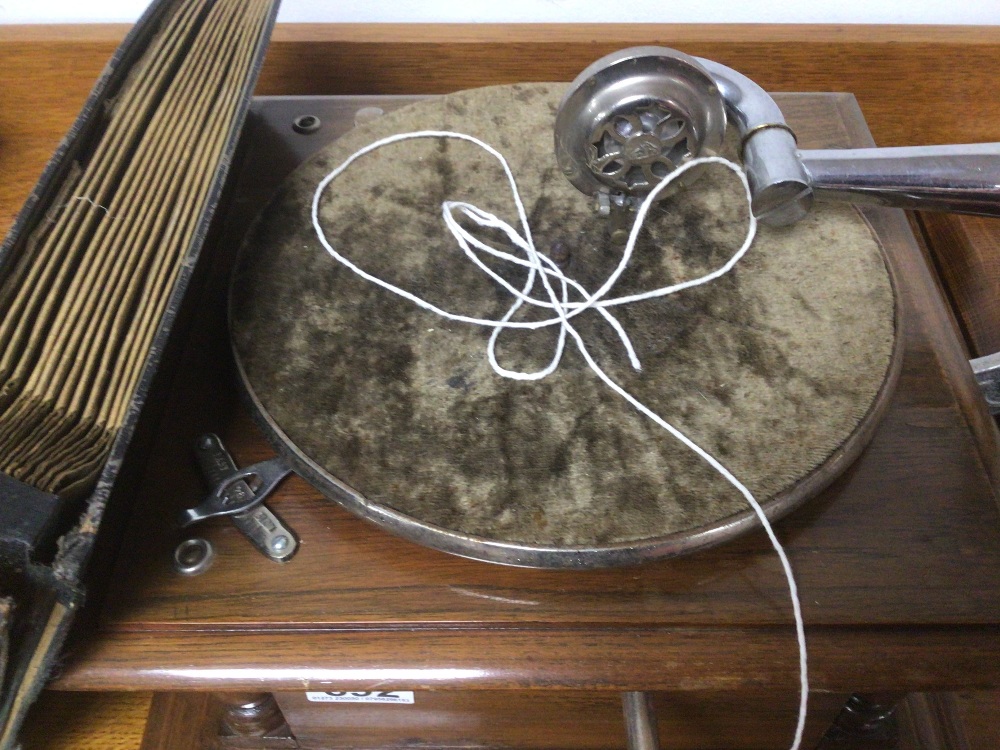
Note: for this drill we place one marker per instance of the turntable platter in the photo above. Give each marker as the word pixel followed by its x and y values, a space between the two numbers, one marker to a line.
pixel 781 368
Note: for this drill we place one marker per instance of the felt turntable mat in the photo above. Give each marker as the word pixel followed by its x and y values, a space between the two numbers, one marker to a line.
pixel 770 368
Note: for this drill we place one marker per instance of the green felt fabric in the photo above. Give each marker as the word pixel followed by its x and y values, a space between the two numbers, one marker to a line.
pixel 769 368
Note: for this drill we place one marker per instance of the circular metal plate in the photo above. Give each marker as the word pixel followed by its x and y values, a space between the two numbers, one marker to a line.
pixel 632 117
pixel 387 410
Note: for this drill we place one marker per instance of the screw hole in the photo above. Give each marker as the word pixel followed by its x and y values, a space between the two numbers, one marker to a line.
pixel 193 556
pixel 306 124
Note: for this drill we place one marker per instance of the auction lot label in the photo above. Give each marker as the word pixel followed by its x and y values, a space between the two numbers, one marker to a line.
pixel 355 696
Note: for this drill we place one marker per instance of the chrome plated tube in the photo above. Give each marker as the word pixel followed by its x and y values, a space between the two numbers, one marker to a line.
pixel 779 184
pixel 640 722
pixel 657 82
pixel 960 178
pixel 784 181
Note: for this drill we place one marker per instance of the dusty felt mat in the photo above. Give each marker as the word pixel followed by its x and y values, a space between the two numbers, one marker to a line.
pixel 769 368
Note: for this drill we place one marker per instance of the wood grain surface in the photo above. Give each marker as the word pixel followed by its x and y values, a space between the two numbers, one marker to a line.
pixel 182 721
pixel 493 658
pixel 916 84
pixel 979 713
pixel 533 720
pixel 898 562
pixel 966 254
pixel 86 721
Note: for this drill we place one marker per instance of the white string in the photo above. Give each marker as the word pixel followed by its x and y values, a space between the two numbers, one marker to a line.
pixel 541 267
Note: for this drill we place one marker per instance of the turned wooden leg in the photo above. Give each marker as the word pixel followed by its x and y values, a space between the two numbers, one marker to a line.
pixel 931 721
pixel 181 721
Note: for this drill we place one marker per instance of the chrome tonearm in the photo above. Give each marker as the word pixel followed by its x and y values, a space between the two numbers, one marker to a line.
pixel 635 115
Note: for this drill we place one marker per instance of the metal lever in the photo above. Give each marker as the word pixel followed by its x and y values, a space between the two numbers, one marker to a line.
pixel 233 495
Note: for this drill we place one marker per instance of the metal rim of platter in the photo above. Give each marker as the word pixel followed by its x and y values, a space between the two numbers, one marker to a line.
pixel 571 557
pixel 579 557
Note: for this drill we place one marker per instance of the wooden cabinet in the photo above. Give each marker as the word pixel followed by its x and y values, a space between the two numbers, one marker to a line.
pixel 898 561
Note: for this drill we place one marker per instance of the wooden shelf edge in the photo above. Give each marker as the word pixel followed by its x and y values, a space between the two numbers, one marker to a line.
pixel 842 659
